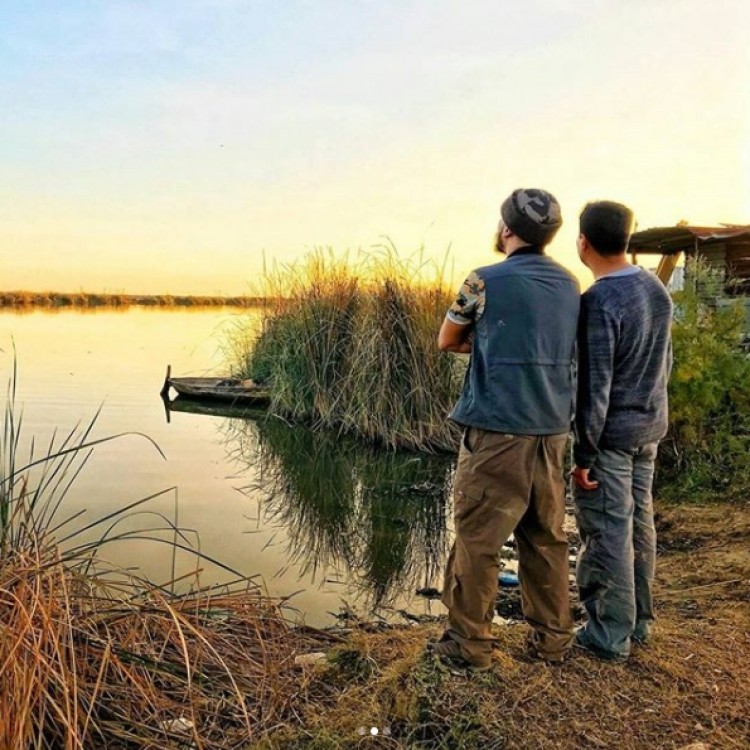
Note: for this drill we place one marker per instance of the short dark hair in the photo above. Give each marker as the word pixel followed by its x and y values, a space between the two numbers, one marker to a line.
pixel 607 226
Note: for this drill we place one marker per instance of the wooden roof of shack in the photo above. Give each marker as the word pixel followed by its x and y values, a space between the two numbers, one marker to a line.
pixel 673 240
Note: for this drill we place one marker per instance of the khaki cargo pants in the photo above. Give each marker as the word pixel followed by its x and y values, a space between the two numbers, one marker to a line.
pixel 505 484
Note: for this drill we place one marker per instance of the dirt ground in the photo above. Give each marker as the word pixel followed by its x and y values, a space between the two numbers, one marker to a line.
pixel 689 688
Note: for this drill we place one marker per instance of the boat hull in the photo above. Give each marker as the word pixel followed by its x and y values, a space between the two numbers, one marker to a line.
pixel 225 390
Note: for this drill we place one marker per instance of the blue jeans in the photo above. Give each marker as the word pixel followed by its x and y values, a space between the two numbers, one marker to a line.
pixel 616 563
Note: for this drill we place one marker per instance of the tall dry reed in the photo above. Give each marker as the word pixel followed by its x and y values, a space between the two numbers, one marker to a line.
pixel 352 346
pixel 92 657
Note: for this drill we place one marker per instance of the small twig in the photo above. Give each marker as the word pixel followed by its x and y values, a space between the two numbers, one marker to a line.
pixel 709 585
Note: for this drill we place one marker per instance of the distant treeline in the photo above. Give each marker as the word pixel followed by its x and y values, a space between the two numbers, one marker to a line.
pixel 85 299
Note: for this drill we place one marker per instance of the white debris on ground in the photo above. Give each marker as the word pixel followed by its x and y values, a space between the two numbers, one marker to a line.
pixel 307 660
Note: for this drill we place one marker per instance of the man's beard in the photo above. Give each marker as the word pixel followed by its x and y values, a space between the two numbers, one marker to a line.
pixel 499 243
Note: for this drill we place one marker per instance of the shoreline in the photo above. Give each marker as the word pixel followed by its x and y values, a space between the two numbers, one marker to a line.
pixel 688 688
pixel 226 669
pixel 26 300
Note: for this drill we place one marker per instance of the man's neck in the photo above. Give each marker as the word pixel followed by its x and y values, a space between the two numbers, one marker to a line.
pixel 603 266
pixel 521 249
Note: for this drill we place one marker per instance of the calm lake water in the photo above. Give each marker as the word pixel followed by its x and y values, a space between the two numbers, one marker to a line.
pixel 310 514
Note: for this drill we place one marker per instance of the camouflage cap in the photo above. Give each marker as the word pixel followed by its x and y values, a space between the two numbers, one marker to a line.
pixel 532 214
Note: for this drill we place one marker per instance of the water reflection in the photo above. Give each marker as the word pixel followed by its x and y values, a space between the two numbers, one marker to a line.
pixel 386 525
pixel 376 518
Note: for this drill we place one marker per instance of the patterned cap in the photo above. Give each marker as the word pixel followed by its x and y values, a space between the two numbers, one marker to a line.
pixel 532 214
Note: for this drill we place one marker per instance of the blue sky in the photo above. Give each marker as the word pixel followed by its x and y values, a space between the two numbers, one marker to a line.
pixel 171 146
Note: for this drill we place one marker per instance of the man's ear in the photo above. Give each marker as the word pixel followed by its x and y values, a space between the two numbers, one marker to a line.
pixel 583 243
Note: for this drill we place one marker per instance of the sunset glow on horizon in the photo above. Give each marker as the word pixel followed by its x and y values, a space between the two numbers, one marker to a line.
pixel 173 147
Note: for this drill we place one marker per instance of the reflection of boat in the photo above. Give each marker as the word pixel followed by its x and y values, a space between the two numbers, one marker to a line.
pixel 226 390
pixel 255 410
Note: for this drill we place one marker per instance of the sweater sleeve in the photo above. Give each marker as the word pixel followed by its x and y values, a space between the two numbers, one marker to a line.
pixel 597 340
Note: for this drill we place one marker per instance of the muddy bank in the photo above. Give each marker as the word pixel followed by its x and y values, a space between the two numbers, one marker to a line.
pixel 691 684
pixel 221 671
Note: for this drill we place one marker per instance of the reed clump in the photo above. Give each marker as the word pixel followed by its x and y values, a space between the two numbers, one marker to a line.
pixel 93 657
pixel 86 665
pixel 352 346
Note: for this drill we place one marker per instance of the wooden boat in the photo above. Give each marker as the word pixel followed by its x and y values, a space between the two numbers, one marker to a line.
pixel 227 390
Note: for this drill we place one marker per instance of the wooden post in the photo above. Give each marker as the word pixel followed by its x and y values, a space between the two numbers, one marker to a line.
pixel 666 266
pixel 164 392
pixel 167 410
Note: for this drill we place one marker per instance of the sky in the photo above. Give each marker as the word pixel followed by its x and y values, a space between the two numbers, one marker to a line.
pixel 175 146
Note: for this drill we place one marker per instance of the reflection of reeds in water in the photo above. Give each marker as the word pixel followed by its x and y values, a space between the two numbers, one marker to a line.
pixel 354 348
pixel 306 487
pixel 93 658
pixel 379 516
pixel 402 520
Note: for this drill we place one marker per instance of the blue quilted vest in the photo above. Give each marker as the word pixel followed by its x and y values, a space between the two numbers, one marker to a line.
pixel 520 377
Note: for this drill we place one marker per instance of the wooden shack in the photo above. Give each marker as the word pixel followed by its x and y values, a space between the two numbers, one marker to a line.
pixel 726 248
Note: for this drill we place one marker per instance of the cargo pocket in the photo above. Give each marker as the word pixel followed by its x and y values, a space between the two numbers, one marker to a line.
pixel 467 499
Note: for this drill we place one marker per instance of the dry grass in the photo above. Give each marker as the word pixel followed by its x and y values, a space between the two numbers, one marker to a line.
pixel 692 684
pixel 87 665
pixel 93 657
pixel 82 667
pixel 689 685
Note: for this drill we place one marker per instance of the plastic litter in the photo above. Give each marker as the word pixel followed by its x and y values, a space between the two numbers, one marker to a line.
pixel 507 578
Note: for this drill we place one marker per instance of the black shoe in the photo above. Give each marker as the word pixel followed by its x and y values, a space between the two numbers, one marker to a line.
pixel 642 634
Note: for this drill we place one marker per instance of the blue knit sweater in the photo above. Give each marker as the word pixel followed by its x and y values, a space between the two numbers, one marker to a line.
pixel 625 357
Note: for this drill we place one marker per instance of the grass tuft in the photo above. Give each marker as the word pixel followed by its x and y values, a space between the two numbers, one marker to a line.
pixel 93 657
pixel 352 346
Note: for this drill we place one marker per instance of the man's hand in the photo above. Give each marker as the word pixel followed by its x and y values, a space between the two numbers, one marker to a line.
pixel 581 478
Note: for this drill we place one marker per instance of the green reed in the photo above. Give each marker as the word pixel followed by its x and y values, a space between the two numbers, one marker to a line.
pixel 352 346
